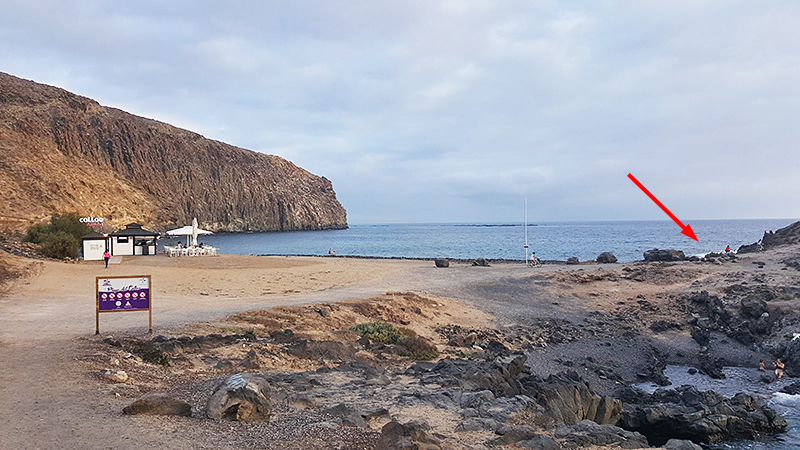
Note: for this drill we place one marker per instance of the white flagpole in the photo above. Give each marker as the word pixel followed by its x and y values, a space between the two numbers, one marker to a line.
pixel 526 230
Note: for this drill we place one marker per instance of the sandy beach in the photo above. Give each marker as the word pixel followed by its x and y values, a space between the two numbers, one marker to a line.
pixel 52 396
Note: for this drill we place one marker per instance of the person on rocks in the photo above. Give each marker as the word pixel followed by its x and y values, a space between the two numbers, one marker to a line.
pixel 779 365
pixel 761 368
pixel 728 249
pixel 106 257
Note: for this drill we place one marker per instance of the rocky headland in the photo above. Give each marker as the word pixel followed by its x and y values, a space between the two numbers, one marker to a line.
pixel 64 152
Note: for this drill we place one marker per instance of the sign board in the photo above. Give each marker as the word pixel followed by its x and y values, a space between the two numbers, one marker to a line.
pixel 128 293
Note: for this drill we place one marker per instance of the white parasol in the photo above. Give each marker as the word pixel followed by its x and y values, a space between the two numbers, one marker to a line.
pixel 189 231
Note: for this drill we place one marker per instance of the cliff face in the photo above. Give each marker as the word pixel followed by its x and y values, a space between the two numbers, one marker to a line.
pixel 63 152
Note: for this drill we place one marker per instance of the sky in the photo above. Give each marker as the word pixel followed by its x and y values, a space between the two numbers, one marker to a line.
pixel 458 111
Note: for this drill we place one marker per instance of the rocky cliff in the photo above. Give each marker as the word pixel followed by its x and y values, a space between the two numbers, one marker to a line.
pixel 787 235
pixel 63 152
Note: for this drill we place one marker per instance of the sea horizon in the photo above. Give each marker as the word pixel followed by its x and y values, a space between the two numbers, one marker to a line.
pixel 552 241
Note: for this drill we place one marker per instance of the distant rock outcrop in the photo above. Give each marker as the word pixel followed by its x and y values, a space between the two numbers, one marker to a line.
pixel 63 152
pixel 664 255
pixel 783 236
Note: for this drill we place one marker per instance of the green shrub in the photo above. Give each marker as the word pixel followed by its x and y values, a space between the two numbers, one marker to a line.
pixel 59 246
pixel 37 233
pixel 410 345
pixel 61 238
pixel 378 331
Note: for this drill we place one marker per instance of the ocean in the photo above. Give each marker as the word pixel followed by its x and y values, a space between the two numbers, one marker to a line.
pixel 552 241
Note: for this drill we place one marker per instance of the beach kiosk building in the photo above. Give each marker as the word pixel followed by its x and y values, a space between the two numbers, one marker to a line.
pixel 132 241
pixel 94 244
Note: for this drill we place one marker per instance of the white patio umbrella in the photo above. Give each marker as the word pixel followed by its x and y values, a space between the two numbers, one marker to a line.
pixel 189 231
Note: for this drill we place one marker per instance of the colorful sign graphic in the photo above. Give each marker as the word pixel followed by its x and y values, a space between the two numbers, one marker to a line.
pixel 119 294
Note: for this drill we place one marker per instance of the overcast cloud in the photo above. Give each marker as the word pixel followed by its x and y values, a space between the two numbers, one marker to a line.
pixel 455 111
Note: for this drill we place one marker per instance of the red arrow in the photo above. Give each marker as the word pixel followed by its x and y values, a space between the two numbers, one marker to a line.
pixel 685 229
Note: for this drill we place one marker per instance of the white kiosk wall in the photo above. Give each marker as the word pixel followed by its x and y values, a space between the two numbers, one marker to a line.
pixel 93 249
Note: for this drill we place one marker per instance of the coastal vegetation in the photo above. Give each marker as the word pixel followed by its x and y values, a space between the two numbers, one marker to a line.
pixel 61 238
pixel 411 345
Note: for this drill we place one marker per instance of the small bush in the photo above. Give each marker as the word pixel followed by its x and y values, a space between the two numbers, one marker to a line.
pixel 378 331
pixel 148 352
pixel 61 238
pixel 419 348
pixel 59 246
pixel 411 345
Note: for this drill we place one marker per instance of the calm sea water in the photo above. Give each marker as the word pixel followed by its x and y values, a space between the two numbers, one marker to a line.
pixel 551 241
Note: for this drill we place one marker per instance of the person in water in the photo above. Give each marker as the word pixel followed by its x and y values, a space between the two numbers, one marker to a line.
pixel 779 365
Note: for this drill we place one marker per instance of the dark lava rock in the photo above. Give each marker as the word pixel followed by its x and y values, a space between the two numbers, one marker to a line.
pixel 664 255
pixel 712 368
pixel 702 417
pixel 282 337
pixel 792 357
pixel 792 389
pixel 411 435
pixel 784 236
pixel 587 433
pixel 568 398
pixel 574 260
pixel 480 262
pixel 441 262
pixel 511 435
pixel 606 258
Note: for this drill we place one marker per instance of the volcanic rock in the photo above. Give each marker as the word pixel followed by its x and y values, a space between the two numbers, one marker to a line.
pixel 784 236
pixel 411 435
pixel 243 397
pixel 664 255
pixel 702 417
pixel 606 258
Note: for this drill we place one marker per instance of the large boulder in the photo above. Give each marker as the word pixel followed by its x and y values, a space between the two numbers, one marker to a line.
pixel 702 417
pixel 499 376
pixel 568 398
pixel 407 436
pixel 158 405
pixel 588 433
pixel 441 262
pixel 606 258
pixel 791 357
pixel 664 255
pixel 243 397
